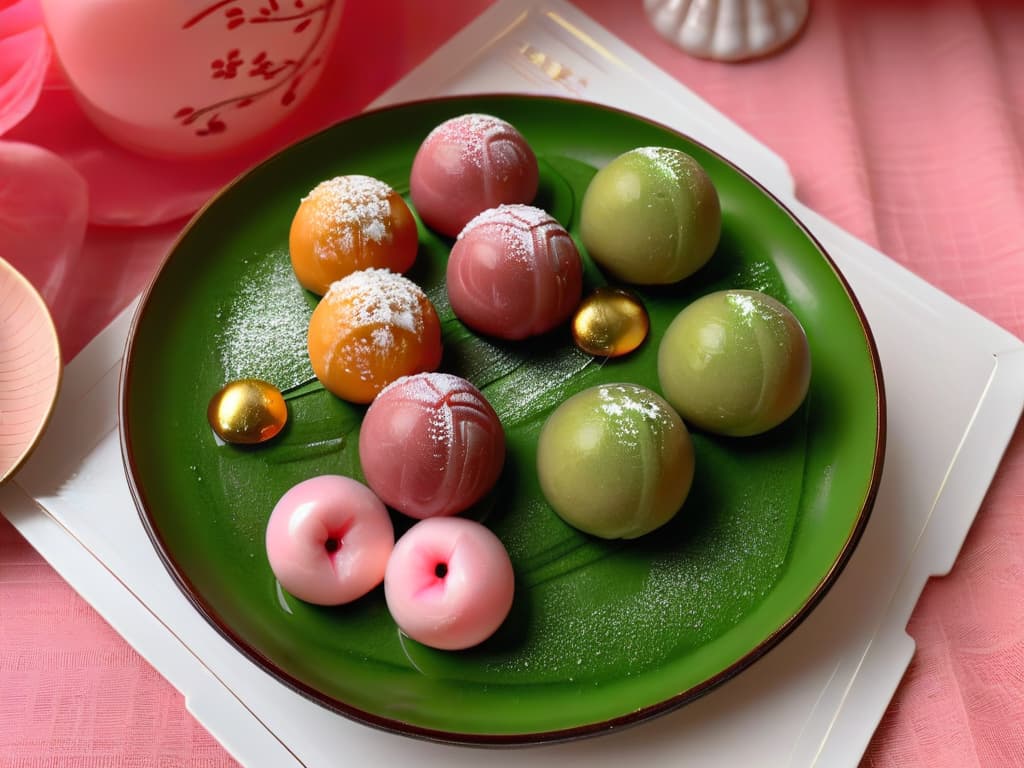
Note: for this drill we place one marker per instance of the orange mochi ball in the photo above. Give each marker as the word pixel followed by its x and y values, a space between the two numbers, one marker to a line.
pixel 371 328
pixel 350 223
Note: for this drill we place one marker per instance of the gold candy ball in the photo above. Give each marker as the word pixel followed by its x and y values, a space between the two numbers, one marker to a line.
pixel 247 411
pixel 610 322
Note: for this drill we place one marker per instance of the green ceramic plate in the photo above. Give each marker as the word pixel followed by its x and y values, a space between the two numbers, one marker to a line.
pixel 601 634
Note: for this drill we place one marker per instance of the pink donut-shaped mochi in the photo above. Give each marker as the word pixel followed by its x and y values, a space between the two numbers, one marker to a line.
pixel 514 272
pixel 431 445
pixel 329 539
pixel 449 583
pixel 467 164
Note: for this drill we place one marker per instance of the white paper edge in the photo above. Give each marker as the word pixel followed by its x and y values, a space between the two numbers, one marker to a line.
pixel 955 508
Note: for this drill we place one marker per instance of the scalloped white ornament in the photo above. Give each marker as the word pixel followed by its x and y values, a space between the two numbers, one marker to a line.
pixel 728 30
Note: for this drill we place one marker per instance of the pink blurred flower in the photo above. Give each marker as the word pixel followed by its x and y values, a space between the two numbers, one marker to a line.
pixel 24 60
pixel 126 188
pixel 37 107
pixel 44 201
pixel 44 204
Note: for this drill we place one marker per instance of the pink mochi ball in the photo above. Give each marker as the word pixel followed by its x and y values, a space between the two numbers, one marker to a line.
pixel 329 539
pixel 467 164
pixel 514 272
pixel 431 445
pixel 449 583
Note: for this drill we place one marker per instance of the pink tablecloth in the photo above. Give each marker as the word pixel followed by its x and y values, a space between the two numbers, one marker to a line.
pixel 903 122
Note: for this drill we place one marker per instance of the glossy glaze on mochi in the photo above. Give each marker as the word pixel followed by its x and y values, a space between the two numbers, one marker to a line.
pixel 468 164
pixel 651 216
pixel 615 461
pixel 735 362
pixel 431 445
pixel 349 223
pixel 449 583
pixel 329 539
pixel 370 329
pixel 514 272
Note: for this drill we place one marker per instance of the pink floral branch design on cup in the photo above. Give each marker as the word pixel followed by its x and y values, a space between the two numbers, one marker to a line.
pixel 286 72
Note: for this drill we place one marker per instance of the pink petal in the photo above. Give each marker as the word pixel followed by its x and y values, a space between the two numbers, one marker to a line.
pixel 125 188
pixel 129 189
pixel 18 16
pixel 44 204
pixel 24 62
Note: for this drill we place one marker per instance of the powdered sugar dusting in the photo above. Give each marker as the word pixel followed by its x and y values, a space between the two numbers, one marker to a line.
pixel 349 205
pixel 427 387
pixel 441 426
pixel 382 301
pixel 379 297
pixel 437 392
pixel 749 306
pixel 472 132
pixel 515 225
pixel 514 215
pixel 633 411
pixel 669 162
pixel 262 330
pixel 742 303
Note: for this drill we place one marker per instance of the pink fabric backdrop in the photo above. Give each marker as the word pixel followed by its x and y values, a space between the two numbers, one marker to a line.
pixel 902 122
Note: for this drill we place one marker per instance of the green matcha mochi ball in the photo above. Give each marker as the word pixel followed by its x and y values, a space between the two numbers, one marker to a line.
pixel 735 363
pixel 651 216
pixel 615 461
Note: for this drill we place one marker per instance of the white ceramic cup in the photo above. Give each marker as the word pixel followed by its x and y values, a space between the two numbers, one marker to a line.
pixel 190 77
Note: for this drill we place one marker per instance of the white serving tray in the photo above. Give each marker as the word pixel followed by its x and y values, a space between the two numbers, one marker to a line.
pixel 955 389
